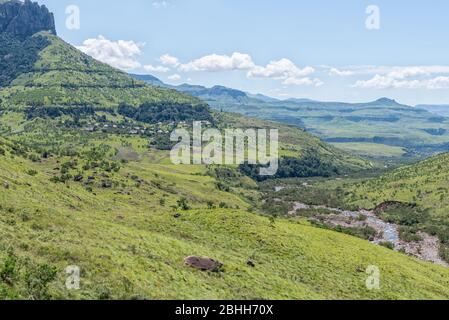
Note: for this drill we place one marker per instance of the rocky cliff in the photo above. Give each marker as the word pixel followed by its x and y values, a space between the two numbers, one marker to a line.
pixel 23 19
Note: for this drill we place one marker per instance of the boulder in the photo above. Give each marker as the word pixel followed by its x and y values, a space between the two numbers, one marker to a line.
pixel 203 263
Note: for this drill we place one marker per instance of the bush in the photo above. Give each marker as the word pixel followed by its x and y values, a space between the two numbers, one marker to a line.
pixel 444 252
pixel 183 204
pixel 310 165
pixel 166 112
pixel 32 172
pixel 8 271
pixel 37 281
pixel 405 214
pixel 387 245
pixel 408 234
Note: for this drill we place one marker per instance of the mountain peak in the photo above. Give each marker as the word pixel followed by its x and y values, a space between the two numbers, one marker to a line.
pixel 386 101
pixel 23 19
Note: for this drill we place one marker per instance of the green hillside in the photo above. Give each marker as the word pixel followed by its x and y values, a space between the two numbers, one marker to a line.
pixel 425 184
pixel 63 76
pixel 63 81
pixel 129 243
pixel 382 130
pixel 414 198
pixel 381 122
pixel 86 180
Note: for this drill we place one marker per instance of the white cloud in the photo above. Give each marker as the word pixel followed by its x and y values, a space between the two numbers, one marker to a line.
pixel 340 73
pixel 174 77
pixel 120 54
pixel 438 83
pixel 303 82
pixel 215 62
pixel 283 70
pixel 286 71
pixel 160 4
pixel 396 72
pixel 407 72
pixel 169 60
pixel 151 68
pixel 403 77
pixel 388 82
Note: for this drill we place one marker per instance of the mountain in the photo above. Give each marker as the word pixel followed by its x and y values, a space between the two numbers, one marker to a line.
pixel 23 19
pixel 61 75
pixel 38 68
pixel 381 130
pixel 441 110
pixel 55 78
pixel 216 95
pixel 150 80
pixel 86 182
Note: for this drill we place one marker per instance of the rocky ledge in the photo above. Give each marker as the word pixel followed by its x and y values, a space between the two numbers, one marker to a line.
pixel 23 19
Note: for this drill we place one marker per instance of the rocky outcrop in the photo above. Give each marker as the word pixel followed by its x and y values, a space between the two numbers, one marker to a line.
pixel 203 263
pixel 23 19
pixel 391 204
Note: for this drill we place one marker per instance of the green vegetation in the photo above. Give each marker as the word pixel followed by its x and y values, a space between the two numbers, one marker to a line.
pixel 165 112
pixel 415 197
pixel 295 143
pixel 382 130
pixel 64 76
pixel 372 150
pixel 131 246
pixel 86 180
pixel 310 165
pixel 423 190
pixel 18 57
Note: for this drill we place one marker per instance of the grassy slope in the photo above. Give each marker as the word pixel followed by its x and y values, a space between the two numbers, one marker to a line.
pixel 389 125
pixel 425 183
pixel 65 76
pixel 294 142
pixel 129 246
pixel 371 150
pixel 126 240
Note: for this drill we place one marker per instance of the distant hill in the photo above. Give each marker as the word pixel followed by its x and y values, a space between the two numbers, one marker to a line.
pixel 86 181
pixel 45 77
pixel 216 95
pixel 441 110
pixel 406 132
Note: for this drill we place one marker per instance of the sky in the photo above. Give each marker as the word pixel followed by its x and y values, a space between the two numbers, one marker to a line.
pixel 352 50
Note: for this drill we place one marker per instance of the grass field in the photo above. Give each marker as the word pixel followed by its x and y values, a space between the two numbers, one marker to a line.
pixel 81 186
pixel 371 150
pixel 132 246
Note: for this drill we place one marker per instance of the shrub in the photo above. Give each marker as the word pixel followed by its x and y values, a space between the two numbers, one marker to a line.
pixel 8 271
pixel 183 204
pixel 32 172
pixel 408 234
pixel 37 281
pixel 387 245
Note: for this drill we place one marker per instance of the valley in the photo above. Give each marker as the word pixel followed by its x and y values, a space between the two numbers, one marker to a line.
pixel 382 130
pixel 87 181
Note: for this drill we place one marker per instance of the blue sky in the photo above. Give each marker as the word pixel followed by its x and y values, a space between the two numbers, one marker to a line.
pixel 319 49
